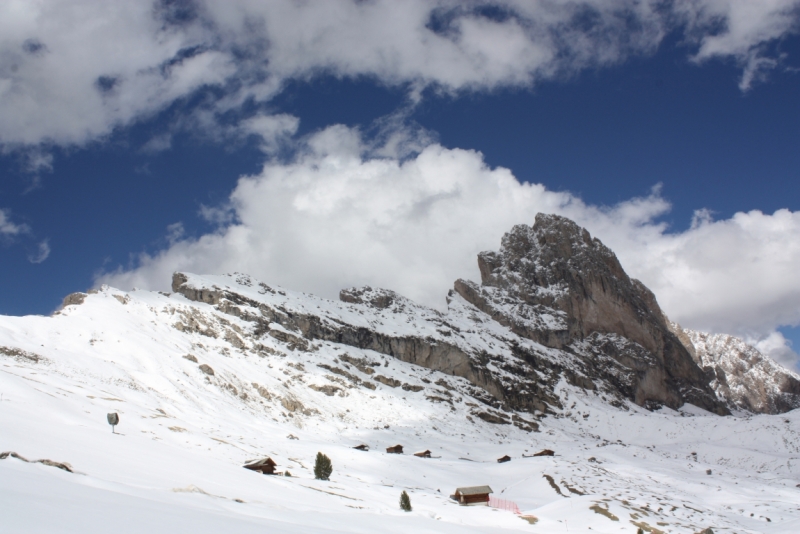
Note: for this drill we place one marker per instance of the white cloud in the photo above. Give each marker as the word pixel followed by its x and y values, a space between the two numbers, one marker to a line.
pixel 271 130
pixel 335 218
pixel 740 29
pixel 95 65
pixel 175 232
pixel 778 348
pixel 158 143
pixel 71 71
pixel 737 274
pixel 42 252
pixel 11 232
pixel 36 160
pixel 8 228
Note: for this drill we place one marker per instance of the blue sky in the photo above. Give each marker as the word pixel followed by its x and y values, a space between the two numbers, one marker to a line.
pixel 374 155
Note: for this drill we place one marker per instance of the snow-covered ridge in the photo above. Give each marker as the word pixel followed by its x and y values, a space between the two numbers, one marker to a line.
pixel 742 376
pixel 462 342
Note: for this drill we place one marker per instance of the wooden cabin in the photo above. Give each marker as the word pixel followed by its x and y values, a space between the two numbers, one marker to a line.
pixel 504 459
pixel 472 496
pixel 362 447
pixel 423 454
pixel 546 452
pixel 265 466
pixel 397 449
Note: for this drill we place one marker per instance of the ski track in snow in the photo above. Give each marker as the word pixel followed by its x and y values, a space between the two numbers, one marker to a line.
pixel 174 464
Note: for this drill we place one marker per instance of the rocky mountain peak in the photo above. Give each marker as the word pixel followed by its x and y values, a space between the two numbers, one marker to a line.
pixel 556 285
pixel 552 240
pixel 557 264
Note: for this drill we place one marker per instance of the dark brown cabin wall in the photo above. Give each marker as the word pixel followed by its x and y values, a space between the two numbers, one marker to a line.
pixel 470 499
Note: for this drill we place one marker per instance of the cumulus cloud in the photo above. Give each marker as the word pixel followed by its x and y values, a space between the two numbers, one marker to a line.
pixel 777 347
pixel 72 71
pixel 734 274
pixel 336 217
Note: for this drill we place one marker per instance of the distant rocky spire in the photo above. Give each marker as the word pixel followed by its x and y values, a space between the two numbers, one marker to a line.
pixel 742 377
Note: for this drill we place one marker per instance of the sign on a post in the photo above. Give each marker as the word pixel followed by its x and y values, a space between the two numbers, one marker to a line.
pixel 113 420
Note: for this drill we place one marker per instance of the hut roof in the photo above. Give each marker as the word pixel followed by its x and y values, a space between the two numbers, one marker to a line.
pixel 474 490
pixel 265 466
pixel 423 454
pixel 260 463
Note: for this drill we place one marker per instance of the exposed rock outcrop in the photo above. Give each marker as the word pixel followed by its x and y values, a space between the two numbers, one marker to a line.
pixel 74 299
pixel 19 354
pixel 555 275
pixel 555 284
pixel 504 378
pixel 380 298
pixel 741 376
pixel 61 465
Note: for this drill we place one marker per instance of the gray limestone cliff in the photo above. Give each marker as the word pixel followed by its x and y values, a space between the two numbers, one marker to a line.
pixel 556 285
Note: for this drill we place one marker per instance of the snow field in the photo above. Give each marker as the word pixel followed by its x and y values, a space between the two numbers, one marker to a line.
pixel 175 464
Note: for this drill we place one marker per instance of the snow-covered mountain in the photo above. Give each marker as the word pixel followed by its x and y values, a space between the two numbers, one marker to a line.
pixel 227 369
pixel 741 376
pixel 553 284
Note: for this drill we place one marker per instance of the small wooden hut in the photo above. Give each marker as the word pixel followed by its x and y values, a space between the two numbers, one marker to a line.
pixel 265 466
pixel 504 459
pixel 546 452
pixel 472 496
pixel 396 449
pixel 423 454
pixel 362 447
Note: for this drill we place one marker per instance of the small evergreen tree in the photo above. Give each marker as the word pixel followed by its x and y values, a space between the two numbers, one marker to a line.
pixel 322 467
pixel 405 502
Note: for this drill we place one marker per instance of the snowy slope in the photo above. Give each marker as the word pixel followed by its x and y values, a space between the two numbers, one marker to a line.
pixel 175 462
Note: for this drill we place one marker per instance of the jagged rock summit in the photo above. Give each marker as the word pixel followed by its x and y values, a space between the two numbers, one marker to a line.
pixel 554 284
pixel 554 305
pixel 555 269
